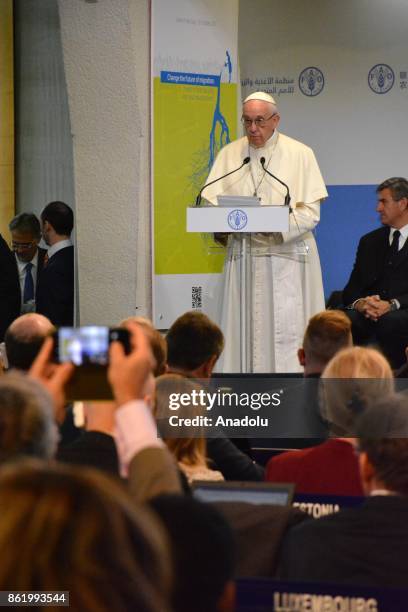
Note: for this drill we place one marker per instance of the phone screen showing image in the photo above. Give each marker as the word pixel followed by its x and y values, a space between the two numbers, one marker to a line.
pixel 84 345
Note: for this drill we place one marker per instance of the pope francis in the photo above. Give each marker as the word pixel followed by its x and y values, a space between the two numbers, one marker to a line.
pixel 285 274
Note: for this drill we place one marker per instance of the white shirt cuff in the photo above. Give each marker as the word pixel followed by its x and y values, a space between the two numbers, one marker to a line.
pixel 353 305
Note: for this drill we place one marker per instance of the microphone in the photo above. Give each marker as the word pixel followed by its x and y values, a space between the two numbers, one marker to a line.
pixel 287 197
pixel 198 199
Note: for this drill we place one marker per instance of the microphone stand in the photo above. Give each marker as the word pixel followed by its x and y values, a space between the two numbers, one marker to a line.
pixel 198 199
pixel 287 196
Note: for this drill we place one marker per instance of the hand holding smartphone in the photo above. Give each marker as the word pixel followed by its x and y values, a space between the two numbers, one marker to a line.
pixel 88 349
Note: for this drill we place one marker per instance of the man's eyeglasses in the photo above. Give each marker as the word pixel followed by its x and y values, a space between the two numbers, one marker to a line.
pixel 21 246
pixel 259 121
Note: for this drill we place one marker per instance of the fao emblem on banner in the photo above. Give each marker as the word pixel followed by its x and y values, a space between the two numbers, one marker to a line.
pixel 381 78
pixel 237 219
pixel 311 81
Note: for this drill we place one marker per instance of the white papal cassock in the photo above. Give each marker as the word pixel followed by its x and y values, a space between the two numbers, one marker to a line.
pixel 285 269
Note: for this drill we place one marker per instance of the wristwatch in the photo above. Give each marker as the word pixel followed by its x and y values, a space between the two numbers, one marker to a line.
pixel 394 305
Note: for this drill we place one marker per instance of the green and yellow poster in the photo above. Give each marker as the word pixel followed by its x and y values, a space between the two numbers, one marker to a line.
pixel 194 99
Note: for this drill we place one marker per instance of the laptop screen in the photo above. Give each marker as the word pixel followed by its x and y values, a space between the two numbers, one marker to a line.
pixel 264 493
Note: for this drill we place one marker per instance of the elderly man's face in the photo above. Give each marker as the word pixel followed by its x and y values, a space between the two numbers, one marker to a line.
pixel 393 213
pixel 24 244
pixel 257 109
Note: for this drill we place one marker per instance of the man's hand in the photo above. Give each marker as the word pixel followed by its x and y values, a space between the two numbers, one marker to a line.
pixel 128 374
pixel 52 376
pixel 379 308
pixel 373 307
pixel 361 306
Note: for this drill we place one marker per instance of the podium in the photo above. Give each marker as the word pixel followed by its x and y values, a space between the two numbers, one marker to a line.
pixel 242 222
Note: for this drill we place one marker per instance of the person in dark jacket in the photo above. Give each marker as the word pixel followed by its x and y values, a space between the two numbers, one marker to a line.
pixel 55 294
pixel 376 294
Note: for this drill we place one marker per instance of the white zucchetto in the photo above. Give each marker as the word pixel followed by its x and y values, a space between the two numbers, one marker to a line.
pixel 260 95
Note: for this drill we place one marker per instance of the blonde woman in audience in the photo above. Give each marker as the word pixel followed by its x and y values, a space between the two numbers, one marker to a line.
pixel 351 382
pixel 62 529
pixel 188 444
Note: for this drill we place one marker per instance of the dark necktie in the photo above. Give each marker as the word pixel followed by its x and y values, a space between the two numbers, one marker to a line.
pixel 393 251
pixel 28 294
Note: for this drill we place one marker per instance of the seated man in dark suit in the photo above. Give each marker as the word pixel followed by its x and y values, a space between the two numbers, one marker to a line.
pixel 25 232
pixel 55 295
pixel 365 545
pixel 376 294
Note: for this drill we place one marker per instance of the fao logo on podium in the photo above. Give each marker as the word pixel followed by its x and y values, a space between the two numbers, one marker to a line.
pixel 237 219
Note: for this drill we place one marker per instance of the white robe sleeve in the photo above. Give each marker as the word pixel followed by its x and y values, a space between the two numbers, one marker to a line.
pixel 303 219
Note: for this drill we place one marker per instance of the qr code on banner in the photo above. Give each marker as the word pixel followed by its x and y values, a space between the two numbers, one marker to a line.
pixel 196 297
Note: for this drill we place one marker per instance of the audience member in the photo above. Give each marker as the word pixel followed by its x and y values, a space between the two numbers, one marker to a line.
pixel 365 545
pixel 25 232
pixel 194 344
pixel 157 342
pixel 186 443
pixel 55 293
pixel 203 553
pixel 27 424
pixel 259 530
pixel 24 339
pixel 326 333
pixel 68 530
pixel 10 297
pixel 353 379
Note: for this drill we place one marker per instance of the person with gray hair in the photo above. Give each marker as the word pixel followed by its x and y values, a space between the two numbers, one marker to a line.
pixel 376 294
pixel 25 232
pixel 26 223
pixel 24 339
pixel 27 424
pixel 286 282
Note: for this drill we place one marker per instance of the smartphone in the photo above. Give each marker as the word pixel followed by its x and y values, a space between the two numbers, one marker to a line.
pixel 88 345
pixel 88 348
